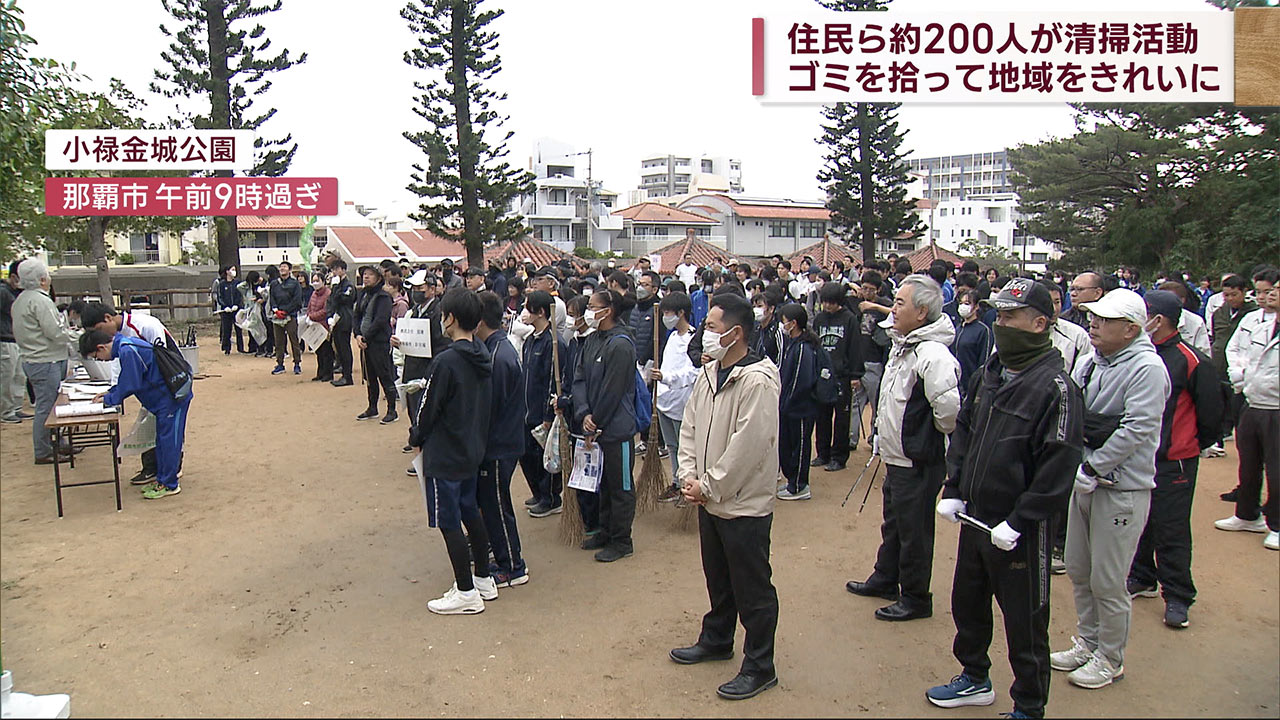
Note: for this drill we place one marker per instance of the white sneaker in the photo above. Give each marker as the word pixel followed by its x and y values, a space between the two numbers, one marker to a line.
pixel 1235 524
pixel 1213 451
pixel 785 494
pixel 1272 541
pixel 457 602
pixel 487 587
pixel 1072 659
pixel 1097 673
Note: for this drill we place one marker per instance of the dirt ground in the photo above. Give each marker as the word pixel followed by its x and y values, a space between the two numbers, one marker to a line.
pixel 290 578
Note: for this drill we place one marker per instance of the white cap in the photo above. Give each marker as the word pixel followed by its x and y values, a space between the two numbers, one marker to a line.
pixel 1120 303
pixel 418 278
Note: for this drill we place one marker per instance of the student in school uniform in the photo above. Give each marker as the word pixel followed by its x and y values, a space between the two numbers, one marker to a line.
pixel 797 406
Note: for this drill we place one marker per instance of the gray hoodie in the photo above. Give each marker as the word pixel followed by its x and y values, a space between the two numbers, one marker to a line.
pixel 1134 384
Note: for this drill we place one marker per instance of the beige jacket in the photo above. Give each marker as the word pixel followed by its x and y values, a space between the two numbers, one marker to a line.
pixel 729 439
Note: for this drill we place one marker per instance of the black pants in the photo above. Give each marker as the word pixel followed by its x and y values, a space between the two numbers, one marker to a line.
pixel 1164 551
pixel 268 346
pixel 493 496
pixel 1259 452
pixel 378 360
pixel 735 561
pixel 544 486
pixel 324 361
pixel 589 504
pixel 795 442
pixel 618 493
pixel 224 332
pixel 413 401
pixel 341 340
pixel 1233 405
pixel 833 427
pixel 905 558
pixel 1019 581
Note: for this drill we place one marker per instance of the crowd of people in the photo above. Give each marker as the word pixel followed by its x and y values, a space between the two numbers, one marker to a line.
pixel 1060 418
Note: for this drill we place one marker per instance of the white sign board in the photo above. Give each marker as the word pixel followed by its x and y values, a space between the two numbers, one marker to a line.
pixel 415 336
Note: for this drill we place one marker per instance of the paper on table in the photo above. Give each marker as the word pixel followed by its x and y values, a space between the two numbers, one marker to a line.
pixel 79 409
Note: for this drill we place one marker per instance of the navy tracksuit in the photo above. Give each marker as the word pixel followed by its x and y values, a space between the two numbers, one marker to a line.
pixel 535 402
pixel 797 410
pixel 140 376
pixel 588 502
pixel 504 447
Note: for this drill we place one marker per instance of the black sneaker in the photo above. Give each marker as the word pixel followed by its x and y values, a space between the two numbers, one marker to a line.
pixel 142 478
pixel 595 540
pixel 1137 589
pixel 610 553
pixel 408 449
pixel 833 466
pixel 410 471
pixel 818 462
pixel 367 414
pixel 1175 614
pixel 663 451
pixel 389 418
pixel 1229 496
pixel 531 502
pixel 542 510
pixel 342 382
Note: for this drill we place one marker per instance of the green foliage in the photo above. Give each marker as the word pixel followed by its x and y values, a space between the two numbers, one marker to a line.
pixel 985 255
pixel 202 253
pixel 466 183
pixel 124 258
pixel 587 253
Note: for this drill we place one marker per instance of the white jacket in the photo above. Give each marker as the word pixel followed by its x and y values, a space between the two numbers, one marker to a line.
pixel 1071 341
pixel 678 374
pixel 923 355
pixel 1246 345
pixel 1192 329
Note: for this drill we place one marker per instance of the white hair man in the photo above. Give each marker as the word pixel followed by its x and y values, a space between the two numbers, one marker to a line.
pixel 919 400
pixel 41 335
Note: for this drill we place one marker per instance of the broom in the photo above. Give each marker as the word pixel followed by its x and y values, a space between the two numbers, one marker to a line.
pixel 654 477
pixel 571 531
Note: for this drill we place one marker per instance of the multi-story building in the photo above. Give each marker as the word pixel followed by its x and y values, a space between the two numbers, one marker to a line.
pixel 558 211
pixel 650 226
pixel 758 227
pixel 985 220
pixel 956 177
pixel 663 175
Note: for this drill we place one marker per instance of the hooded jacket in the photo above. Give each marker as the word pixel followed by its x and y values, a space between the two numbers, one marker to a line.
pixel 1134 384
pixel 841 335
pixel 798 378
pixel 1192 418
pixel 506 413
pixel 604 379
pixel 453 419
pixel 921 381
pixel 1017 443
pixel 729 438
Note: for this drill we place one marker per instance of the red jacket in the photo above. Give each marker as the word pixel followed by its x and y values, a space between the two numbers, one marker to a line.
pixel 1193 413
pixel 316 307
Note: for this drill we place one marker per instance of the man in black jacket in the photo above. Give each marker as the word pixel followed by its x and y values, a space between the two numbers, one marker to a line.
pixel 641 320
pixel 374 338
pixel 453 424
pixel 286 301
pixel 538 384
pixel 424 293
pixel 1012 462
pixel 341 309
pixel 838 330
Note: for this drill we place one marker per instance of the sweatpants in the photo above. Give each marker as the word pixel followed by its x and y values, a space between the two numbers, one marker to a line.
pixel 1103 528
pixel 735 561
pixel 171 432
pixel 1259 448
pixel 795 443
pixel 341 339
pixel 832 427
pixel 12 381
pixel 1019 580
pixel 1164 550
pixel 544 487
pixel 670 429
pixel 905 557
pixel 493 496
pixel 618 493
pixel 288 330
pixel 868 393
pixel 378 361
pixel 224 332
pixel 589 504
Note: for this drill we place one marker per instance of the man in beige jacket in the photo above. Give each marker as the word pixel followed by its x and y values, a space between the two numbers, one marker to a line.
pixel 728 464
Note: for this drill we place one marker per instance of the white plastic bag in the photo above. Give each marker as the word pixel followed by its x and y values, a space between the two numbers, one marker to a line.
pixel 250 320
pixel 142 437
pixel 551 448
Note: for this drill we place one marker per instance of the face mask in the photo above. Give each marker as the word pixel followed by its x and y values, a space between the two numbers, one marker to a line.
pixel 711 344
pixel 964 310
pixel 335 280
pixel 317 284
pixel 670 321
pixel 418 297
pixel 586 292
pixel 1019 348
pixel 642 292
pixel 1152 327
pixel 592 318
pixel 759 313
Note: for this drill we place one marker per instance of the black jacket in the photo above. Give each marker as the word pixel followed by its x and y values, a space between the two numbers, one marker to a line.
pixel 453 420
pixel 798 375
pixel 874 339
pixel 604 384
pixel 286 295
pixel 506 413
pixel 7 297
pixel 1017 444
pixel 568 364
pixel 227 294
pixel 539 380
pixel 416 368
pixel 1193 413
pixel 641 323
pixel 341 302
pixel 841 336
pixel 375 322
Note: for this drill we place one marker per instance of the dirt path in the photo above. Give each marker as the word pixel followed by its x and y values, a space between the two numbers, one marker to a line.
pixel 290 579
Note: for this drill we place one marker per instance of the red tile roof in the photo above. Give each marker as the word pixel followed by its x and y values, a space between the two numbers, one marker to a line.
pixel 922 258
pixel 426 244
pixel 777 212
pixel 536 251
pixel 270 222
pixel 704 208
pixel 825 253
pixel 361 243
pixel 650 212
pixel 703 254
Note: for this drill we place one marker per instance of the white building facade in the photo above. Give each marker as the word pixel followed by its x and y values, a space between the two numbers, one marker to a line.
pixel 990 220
pixel 668 175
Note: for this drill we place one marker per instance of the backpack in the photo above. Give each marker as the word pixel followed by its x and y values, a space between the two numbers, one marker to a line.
pixel 174 369
pixel 643 400
pixel 825 391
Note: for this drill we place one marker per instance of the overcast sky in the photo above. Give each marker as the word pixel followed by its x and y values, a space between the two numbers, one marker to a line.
pixel 623 77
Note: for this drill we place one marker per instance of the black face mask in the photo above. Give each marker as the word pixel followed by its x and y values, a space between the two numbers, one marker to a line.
pixel 418 297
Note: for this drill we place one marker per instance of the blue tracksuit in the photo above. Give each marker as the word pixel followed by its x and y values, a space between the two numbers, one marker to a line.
pixel 505 445
pixel 140 377
pixel 797 411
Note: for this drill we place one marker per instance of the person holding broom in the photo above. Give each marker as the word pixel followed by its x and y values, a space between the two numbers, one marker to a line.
pixel 538 383
pixel 728 460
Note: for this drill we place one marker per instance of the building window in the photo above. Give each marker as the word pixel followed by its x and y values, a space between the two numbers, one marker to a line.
pixel 288 239
pixel 782 228
pixel 942 212
pixel 682 162
pixel 812 228
pixel 558 196
pixel 551 233
pixel 702 231
pixel 707 166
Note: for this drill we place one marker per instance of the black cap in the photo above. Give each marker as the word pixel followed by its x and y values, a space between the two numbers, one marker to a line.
pixel 475 272
pixel 1163 302
pixel 1020 293
pixel 446 263
pixel 544 270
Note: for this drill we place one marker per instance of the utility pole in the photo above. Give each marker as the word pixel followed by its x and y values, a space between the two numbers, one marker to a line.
pixel 590 193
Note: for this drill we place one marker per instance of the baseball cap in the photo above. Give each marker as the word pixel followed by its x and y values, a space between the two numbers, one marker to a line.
pixel 1119 303
pixel 1163 302
pixel 418 278
pixel 544 270
pixel 815 270
pixel 1020 293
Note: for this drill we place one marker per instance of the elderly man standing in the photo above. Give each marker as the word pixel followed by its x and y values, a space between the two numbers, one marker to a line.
pixel 1125 387
pixel 42 342
pixel 919 400
pixel 12 381
pixel 1085 288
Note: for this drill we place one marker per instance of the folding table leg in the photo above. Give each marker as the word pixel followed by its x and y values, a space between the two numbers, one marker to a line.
pixel 114 433
pixel 57 473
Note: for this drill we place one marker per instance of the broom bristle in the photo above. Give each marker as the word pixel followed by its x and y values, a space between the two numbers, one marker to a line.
pixel 571 531
pixel 654 476
pixel 686 519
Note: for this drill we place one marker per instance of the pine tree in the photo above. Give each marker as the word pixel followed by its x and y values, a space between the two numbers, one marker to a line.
pixel 864 172
pixel 213 57
pixel 466 184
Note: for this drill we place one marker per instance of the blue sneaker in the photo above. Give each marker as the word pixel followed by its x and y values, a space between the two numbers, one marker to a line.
pixel 279 369
pixel 962 690
pixel 1015 715
pixel 297 369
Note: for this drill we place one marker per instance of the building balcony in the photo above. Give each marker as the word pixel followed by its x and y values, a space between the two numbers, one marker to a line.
pixel 547 210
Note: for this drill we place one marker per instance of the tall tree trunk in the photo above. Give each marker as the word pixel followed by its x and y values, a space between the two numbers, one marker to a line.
pixel 866 209
pixel 468 157
pixel 98 246
pixel 220 115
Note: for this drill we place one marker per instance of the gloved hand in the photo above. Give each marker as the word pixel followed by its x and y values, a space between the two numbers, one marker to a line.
pixel 333 321
pixel 948 507
pixel 1004 537
pixel 235 308
pixel 1085 483
pixel 875 445
pixel 280 314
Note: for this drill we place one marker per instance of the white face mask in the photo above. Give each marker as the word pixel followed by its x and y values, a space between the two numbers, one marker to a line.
pixel 964 309
pixel 317 284
pixel 670 321
pixel 711 344
pixel 1153 326
pixel 758 312
pixel 592 318
pixel 642 292
pixel 586 291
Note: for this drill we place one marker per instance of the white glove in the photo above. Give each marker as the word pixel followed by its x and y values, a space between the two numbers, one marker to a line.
pixel 948 507
pixel 875 445
pixel 1004 537
pixel 234 308
pixel 333 321
pixel 1085 483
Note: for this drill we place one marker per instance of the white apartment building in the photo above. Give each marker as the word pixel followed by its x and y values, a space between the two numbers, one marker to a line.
pixel 758 227
pixel 668 175
pixel 557 211
pixel 956 177
pixel 991 220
